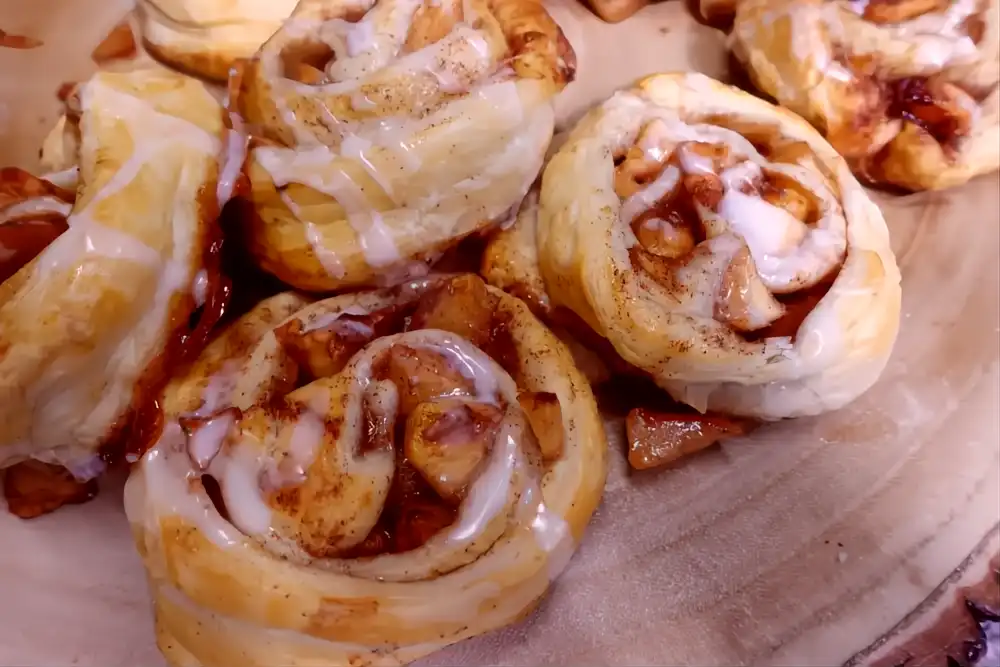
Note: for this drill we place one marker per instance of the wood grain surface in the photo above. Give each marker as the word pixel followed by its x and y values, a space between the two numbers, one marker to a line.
pixel 814 542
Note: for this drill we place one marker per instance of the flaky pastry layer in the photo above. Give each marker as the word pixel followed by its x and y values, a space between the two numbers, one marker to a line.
pixel 387 131
pixel 271 573
pixel 85 323
pixel 907 91
pixel 744 209
pixel 206 37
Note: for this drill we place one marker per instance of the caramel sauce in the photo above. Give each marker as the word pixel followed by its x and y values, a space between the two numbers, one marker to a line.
pixel 913 100
pixel 191 329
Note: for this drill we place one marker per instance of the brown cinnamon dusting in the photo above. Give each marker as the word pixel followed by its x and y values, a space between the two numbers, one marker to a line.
pixel 34 488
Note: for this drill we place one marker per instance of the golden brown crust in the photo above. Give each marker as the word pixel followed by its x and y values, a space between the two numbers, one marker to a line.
pixel 907 91
pixel 205 38
pixel 90 325
pixel 615 11
pixel 327 540
pixel 719 244
pixel 372 161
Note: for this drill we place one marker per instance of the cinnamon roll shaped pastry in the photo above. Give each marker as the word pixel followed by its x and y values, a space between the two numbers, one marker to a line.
pixel 719 245
pixel 907 90
pixel 365 479
pixel 387 131
pixel 108 285
pixel 206 37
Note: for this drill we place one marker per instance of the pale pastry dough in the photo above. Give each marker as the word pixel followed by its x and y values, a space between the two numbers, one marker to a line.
pixel 392 129
pixel 689 294
pixel 206 37
pixel 89 326
pixel 303 481
pixel 907 91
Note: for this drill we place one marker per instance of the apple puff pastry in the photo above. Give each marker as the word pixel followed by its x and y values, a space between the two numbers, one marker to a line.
pixel 906 90
pixel 386 131
pixel 719 244
pixel 106 287
pixel 205 37
pixel 365 479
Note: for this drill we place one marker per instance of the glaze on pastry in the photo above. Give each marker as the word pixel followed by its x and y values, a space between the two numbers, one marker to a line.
pixel 906 90
pixel 719 244
pixel 385 132
pixel 104 265
pixel 365 479
pixel 205 37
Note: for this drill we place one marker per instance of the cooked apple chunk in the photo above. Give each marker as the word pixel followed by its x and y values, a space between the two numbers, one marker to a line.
pixel 447 440
pixel 421 375
pixel 462 306
pixel 657 438
pixel 545 417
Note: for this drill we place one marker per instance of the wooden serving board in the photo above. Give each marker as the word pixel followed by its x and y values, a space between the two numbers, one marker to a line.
pixel 853 537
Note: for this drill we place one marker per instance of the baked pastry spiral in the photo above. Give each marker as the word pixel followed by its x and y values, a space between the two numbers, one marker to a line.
pixel 388 131
pixel 365 479
pixel 206 37
pixel 906 90
pixel 114 281
pixel 718 243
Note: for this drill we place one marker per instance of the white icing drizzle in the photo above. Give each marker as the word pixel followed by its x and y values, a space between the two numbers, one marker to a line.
pixel 237 141
pixel 199 290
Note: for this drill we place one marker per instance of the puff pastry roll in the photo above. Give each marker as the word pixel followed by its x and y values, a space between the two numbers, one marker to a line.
pixel 365 479
pixel 907 91
pixel 388 131
pixel 115 281
pixel 719 244
pixel 206 37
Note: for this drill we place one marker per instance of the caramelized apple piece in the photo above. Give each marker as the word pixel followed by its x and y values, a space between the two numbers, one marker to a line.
pixel 897 11
pixel 743 302
pixel 545 417
pixel 635 170
pixel 10 41
pixel 378 411
pixel 33 488
pixel 422 375
pixel 306 73
pixel 118 45
pixel 462 306
pixel 447 441
pixel 783 192
pixel 666 235
pixel 325 351
pixel 23 240
pixel 658 438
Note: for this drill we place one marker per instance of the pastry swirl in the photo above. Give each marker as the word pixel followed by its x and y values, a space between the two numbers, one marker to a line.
pixel 385 132
pixel 906 90
pixel 719 244
pixel 365 479
pixel 206 38
pixel 124 283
